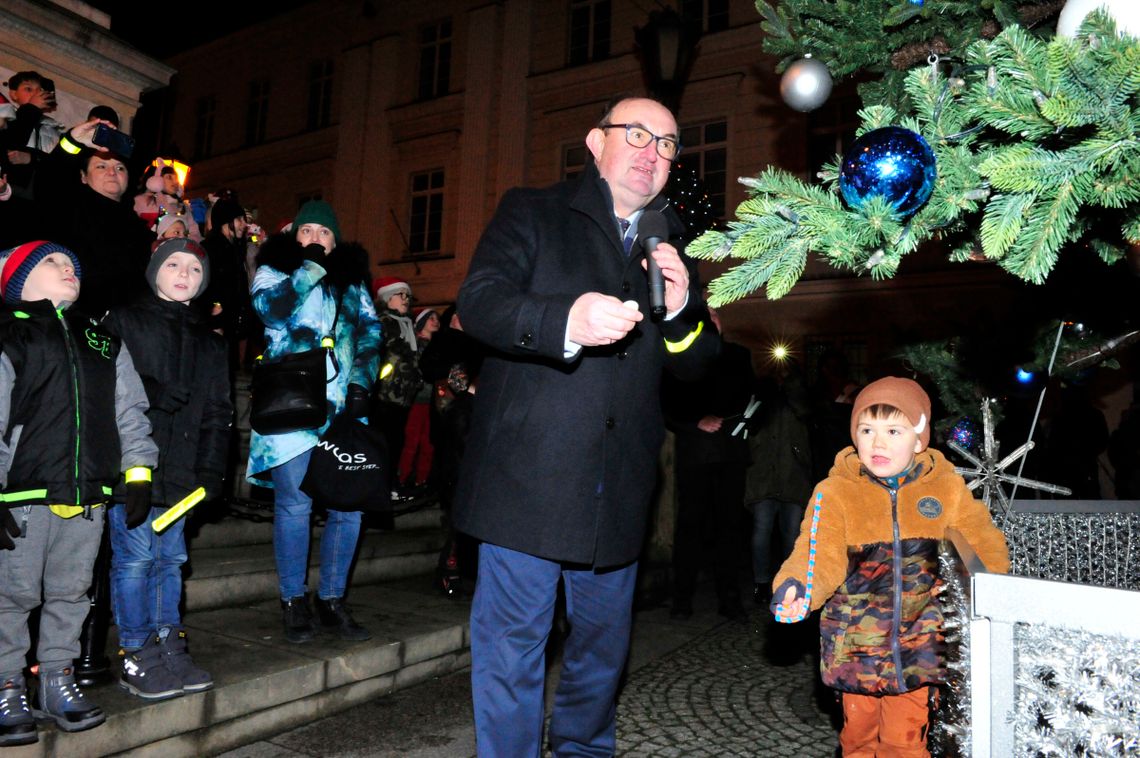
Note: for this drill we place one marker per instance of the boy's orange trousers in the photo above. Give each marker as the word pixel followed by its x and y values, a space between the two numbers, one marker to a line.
pixel 886 726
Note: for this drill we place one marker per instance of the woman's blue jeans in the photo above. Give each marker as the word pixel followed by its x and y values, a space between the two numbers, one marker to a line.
pixel 769 515
pixel 291 527
pixel 146 576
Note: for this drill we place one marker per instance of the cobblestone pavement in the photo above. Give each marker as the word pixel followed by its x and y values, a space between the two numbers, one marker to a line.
pixel 747 689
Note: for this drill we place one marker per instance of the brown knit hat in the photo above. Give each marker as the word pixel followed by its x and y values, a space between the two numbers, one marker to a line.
pixel 904 394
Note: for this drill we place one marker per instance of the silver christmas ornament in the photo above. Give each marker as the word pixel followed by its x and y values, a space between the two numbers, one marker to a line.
pixel 806 84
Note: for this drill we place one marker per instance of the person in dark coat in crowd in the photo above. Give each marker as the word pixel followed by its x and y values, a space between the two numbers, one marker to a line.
pixel 80 204
pixel 183 369
pixel 227 297
pixel 450 363
pixel 710 462
pixel 779 481
pixel 561 459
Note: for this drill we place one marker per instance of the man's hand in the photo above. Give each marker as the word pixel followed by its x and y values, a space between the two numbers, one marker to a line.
pixel 710 424
pixel 597 319
pixel 19 157
pixel 675 273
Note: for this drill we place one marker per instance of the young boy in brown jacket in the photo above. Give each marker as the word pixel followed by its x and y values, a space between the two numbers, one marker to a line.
pixel 881 513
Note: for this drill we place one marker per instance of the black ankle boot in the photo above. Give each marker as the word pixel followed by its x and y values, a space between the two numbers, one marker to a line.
pixel 335 619
pixel 298 619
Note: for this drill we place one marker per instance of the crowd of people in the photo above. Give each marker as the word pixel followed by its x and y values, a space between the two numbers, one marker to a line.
pixel 127 318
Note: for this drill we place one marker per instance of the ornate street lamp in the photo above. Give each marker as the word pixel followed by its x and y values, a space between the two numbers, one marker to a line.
pixel 667 46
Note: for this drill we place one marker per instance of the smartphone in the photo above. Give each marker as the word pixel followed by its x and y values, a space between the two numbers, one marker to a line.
pixel 113 140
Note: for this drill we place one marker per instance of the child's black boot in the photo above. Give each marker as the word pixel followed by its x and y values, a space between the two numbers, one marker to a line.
pixel 144 673
pixel 17 727
pixel 178 660
pixel 60 700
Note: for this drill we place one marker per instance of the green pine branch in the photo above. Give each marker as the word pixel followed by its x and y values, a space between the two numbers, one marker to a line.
pixel 1037 144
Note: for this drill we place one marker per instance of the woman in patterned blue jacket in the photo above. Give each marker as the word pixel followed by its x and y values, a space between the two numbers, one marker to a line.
pixel 301 279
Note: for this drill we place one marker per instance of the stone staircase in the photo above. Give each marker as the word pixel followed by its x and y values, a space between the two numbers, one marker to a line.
pixel 263 684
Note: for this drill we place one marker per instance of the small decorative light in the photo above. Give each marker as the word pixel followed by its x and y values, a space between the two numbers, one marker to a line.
pixel 1023 376
pixel 780 353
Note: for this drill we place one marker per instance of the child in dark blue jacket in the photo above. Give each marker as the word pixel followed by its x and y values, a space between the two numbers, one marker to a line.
pixel 184 370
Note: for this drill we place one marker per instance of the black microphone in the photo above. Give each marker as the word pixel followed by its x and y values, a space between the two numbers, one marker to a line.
pixel 652 229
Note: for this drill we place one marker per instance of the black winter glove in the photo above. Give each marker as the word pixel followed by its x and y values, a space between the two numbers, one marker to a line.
pixel 9 529
pixel 138 497
pixel 314 253
pixel 356 401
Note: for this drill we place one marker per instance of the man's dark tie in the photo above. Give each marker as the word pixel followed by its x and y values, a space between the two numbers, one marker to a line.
pixel 626 237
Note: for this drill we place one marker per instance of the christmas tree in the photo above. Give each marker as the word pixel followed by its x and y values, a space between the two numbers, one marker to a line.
pixel 1034 141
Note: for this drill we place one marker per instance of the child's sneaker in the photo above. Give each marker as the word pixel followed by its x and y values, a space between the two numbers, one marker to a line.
pixel 17 727
pixel 178 660
pixel 145 674
pixel 60 700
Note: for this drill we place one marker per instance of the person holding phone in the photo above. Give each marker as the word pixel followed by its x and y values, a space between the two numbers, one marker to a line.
pixel 80 199
pixel 30 133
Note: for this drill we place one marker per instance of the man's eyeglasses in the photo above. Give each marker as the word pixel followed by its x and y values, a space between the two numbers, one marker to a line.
pixel 638 136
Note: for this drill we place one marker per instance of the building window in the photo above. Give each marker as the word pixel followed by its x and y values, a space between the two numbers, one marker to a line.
pixel 589 31
pixel 257 112
pixel 435 60
pixel 831 128
pixel 705 153
pixel 320 93
pixel 573 160
pixel 204 126
pixel 427 212
pixel 706 15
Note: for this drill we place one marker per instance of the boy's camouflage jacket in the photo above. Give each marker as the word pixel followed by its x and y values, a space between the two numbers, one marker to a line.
pixel 876 568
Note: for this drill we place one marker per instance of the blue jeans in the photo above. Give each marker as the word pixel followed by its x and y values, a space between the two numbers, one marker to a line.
pixel 767 514
pixel 511 615
pixel 291 526
pixel 146 576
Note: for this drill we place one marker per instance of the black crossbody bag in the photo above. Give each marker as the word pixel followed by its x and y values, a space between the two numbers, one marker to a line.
pixel 290 393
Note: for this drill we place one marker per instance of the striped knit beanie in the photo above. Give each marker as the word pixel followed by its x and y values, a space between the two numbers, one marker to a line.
pixel 18 262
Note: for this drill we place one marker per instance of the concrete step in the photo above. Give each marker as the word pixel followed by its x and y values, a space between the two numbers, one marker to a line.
pixel 246 573
pixel 244 525
pixel 265 685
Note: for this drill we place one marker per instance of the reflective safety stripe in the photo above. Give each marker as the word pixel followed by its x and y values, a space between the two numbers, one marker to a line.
pixel 107 490
pixel 14 497
pixel 387 370
pixel 137 474
pixel 69 146
pixel 20 314
pixel 683 345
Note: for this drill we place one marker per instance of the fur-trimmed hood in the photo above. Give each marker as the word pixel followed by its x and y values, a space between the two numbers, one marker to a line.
pixel 347 264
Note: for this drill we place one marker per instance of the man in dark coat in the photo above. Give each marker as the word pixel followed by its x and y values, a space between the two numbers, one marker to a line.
pixel 561 459
pixel 711 460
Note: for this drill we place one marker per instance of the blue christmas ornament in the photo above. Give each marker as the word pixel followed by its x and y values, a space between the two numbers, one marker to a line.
pixel 893 162
pixel 965 432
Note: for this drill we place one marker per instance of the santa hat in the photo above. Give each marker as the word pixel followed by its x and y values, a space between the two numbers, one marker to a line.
pixel 18 262
pixel 385 286
pixel 163 249
pixel 903 394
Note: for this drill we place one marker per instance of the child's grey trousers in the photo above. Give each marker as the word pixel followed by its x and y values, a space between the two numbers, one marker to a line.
pixel 52 561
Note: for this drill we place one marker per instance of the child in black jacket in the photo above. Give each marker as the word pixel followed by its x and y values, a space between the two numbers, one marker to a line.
pixel 183 368
pixel 71 424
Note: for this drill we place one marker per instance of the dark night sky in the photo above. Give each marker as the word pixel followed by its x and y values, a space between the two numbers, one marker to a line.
pixel 163 29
